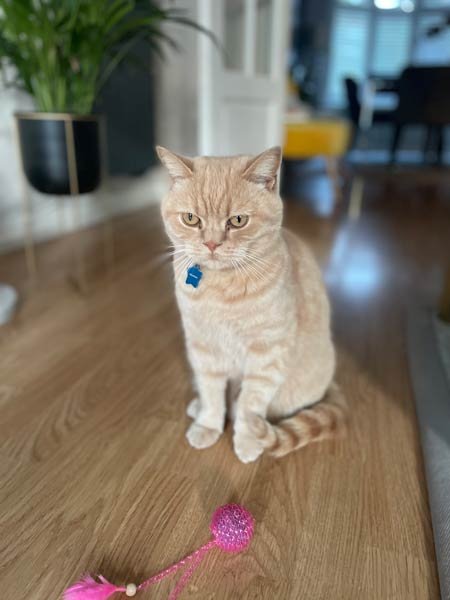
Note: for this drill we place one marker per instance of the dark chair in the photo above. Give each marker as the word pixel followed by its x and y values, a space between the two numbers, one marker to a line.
pixel 423 99
pixel 354 107
pixel 353 103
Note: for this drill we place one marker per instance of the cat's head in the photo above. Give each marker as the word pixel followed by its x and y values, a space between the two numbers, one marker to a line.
pixel 221 211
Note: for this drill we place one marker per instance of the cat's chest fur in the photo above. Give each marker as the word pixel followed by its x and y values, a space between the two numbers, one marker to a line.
pixel 214 305
pixel 223 311
pixel 221 298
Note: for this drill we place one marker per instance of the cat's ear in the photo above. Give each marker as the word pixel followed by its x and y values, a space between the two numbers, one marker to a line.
pixel 179 167
pixel 263 169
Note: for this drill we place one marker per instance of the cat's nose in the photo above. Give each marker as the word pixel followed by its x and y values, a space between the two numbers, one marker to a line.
pixel 211 245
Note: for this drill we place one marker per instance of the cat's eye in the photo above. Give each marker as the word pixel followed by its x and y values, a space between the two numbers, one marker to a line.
pixel 190 219
pixel 238 221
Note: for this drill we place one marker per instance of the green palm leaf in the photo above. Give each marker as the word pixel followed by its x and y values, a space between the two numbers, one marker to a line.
pixel 64 51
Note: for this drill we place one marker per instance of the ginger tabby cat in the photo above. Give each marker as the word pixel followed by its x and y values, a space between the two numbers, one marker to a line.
pixel 257 326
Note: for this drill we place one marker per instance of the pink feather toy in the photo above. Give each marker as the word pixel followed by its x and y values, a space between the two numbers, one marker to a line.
pixel 232 529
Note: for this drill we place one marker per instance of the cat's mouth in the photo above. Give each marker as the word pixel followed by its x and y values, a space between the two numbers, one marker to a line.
pixel 219 259
pixel 213 260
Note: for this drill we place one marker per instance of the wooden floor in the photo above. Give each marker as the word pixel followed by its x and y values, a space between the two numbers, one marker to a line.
pixel 95 472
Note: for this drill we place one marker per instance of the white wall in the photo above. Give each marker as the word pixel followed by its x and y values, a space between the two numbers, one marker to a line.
pixel 176 128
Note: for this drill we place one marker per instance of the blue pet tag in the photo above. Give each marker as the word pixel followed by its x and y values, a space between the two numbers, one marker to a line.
pixel 194 274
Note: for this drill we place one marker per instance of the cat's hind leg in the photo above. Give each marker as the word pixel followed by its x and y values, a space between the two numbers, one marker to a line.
pixel 323 420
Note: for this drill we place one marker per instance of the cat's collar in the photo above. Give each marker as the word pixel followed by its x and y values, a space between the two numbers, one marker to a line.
pixel 194 275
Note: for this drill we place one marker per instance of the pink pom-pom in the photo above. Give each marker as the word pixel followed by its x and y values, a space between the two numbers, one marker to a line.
pixel 89 589
pixel 232 527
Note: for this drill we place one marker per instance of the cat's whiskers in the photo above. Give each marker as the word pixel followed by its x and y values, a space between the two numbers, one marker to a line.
pixel 249 272
pixel 238 268
pixel 259 270
pixel 179 261
pixel 260 261
pixel 256 264
pixel 181 268
pixel 180 252
pixel 258 275
pixel 256 257
pixel 179 248
pixel 181 264
pixel 247 256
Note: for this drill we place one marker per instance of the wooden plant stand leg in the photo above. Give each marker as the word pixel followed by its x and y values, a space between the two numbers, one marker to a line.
pixel 356 198
pixel 108 230
pixel 77 205
pixel 444 303
pixel 27 212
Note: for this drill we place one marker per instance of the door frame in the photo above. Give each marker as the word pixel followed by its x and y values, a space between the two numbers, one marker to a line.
pixel 210 62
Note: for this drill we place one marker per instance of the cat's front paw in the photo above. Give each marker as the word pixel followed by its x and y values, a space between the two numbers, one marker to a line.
pixel 247 447
pixel 202 437
pixel 193 408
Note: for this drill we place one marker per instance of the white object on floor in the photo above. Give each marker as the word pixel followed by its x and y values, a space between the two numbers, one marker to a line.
pixel 8 302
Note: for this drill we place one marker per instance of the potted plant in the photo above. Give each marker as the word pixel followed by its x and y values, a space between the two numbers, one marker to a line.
pixel 62 52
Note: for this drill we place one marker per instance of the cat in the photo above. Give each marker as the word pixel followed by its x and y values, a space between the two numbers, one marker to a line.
pixel 257 325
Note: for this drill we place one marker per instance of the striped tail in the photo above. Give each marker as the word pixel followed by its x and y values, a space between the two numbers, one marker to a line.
pixel 324 420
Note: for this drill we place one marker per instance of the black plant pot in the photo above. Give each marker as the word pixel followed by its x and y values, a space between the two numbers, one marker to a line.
pixel 60 152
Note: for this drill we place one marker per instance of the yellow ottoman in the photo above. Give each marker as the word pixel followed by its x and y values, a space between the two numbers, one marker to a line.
pixel 329 138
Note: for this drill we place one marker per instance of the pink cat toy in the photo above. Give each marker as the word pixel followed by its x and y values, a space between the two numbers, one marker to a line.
pixel 232 529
